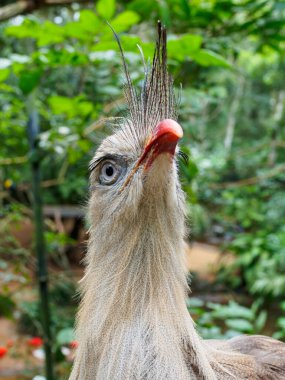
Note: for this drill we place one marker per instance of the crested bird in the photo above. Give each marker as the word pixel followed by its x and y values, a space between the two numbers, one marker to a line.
pixel 133 323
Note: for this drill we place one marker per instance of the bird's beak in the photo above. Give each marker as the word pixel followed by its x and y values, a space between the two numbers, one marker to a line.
pixel 163 140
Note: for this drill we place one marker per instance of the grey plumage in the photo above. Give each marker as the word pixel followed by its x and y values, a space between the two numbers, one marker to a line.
pixel 133 323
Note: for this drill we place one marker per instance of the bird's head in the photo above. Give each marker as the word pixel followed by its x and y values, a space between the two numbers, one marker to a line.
pixel 134 171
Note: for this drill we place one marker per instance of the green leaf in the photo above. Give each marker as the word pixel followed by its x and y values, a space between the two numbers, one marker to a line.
pixel 189 169
pixel 124 21
pixel 209 58
pixel 4 73
pixel 106 8
pixel 232 310
pixel 260 321
pixel 281 323
pixel 29 80
pixel 184 46
pixel 239 325
pixel 62 104
pixel 60 57
pixel 106 46
pixel 194 302
pixel 7 306
pixel 164 13
pixel 278 335
pixel 89 21
pixel 49 33
pixel 84 29
pixel 84 108
pixel 46 33
pixel 75 30
pixel 129 43
pixel 28 29
pixel 70 106
pixel 144 7
pixel 184 8
pixel 65 336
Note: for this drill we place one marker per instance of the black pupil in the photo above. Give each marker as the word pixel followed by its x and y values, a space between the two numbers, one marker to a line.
pixel 109 171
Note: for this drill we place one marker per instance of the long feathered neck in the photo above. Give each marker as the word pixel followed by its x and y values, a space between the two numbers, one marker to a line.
pixel 133 322
pixel 141 265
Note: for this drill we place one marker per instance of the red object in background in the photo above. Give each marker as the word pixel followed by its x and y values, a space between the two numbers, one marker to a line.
pixel 74 344
pixel 36 341
pixel 3 351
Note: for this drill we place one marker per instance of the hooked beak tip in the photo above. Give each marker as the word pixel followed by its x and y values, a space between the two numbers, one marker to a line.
pixel 164 140
pixel 170 128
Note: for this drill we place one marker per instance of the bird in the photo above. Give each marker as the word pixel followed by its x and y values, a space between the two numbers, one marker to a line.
pixel 133 322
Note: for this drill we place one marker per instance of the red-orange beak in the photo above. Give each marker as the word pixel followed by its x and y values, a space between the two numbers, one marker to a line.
pixel 164 140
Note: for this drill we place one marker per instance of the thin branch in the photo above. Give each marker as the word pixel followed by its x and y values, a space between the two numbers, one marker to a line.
pixel 26 6
pixel 232 119
pixel 250 181
pixel 12 10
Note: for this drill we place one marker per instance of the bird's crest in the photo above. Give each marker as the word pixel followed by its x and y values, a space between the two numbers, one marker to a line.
pixel 155 100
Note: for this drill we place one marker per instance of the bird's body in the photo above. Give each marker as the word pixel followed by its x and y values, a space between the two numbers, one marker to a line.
pixel 133 323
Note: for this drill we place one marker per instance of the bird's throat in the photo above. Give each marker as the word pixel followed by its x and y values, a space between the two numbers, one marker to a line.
pixel 133 316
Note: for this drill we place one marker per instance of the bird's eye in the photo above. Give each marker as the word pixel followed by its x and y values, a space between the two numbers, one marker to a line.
pixel 109 174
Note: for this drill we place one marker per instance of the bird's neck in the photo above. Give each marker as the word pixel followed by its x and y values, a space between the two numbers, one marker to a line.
pixel 134 299
pixel 138 263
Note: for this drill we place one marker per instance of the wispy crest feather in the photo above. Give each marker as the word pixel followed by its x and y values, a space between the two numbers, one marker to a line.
pixel 155 100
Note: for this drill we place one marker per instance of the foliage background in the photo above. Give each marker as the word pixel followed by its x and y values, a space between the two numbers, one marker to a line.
pixel 228 56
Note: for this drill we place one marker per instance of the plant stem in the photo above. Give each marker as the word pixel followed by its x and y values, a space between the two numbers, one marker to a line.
pixel 33 131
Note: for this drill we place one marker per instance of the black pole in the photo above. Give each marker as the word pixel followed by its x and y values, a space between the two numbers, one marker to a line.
pixel 35 158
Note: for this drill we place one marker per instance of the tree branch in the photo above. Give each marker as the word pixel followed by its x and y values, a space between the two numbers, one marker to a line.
pixel 11 10
pixel 250 181
pixel 26 6
pixel 234 107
